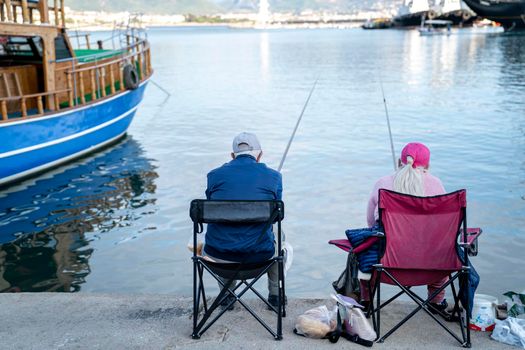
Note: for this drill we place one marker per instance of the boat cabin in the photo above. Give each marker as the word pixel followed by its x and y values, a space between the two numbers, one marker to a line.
pixel 42 73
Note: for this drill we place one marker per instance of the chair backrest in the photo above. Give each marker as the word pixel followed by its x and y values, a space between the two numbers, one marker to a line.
pixel 236 211
pixel 421 232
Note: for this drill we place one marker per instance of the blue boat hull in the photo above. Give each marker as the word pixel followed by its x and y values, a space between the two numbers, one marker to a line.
pixel 31 146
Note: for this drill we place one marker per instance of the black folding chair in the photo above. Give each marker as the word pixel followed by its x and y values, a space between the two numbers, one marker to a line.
pixel 235 212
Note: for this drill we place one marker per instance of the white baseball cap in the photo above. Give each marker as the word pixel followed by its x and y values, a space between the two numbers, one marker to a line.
pixel 245 142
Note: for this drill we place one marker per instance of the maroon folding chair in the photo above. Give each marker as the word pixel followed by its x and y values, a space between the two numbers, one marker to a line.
pixel 420 247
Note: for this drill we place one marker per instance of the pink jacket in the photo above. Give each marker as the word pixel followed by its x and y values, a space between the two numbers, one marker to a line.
pixel 432 184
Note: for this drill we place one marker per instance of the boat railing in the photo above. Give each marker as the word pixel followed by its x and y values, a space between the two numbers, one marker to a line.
pixel 33 12
pixel 26 102
pixel 98 79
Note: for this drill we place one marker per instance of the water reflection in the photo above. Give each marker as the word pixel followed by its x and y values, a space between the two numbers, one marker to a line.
pixel 46 228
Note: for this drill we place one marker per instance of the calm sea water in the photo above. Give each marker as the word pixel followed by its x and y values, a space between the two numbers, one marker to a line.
pixel 118 221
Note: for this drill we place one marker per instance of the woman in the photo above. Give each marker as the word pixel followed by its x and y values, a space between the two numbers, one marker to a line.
pixel 412 177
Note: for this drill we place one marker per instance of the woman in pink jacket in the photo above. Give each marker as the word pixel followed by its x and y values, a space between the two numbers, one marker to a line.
pixel 412 177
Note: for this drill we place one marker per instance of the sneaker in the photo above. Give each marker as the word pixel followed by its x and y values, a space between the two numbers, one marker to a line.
pixel 441 309
pixel 274 301
pixel 226 301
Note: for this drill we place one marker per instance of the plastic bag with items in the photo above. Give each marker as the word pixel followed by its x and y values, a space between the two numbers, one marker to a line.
pixel 516 304
pixel 510 331
pixel 354 320
pixel 316 323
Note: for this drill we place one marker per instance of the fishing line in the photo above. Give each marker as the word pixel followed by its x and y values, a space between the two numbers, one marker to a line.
pixel 388 123
pixel 296 126
pixel 166 92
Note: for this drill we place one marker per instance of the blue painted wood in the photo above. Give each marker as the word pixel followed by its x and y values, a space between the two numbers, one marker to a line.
pixel 32 143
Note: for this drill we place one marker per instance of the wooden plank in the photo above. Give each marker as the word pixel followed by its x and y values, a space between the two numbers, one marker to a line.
pixel 40 105
pixel 82 90
pixel 4 110
pixel 93 85
pixel 103 81
pixel 70 88
pixel 25 12
pixel 17 84
pixel 112 79
pixel 55 9
pixel 63 13
pixel 55 100
pixel 9 11
pixel 44 11
pixel 6 85
pixel 24 107
pixel 121 77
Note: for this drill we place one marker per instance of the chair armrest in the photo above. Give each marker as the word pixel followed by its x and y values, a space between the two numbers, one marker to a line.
pixel 345 244
pixel 472 240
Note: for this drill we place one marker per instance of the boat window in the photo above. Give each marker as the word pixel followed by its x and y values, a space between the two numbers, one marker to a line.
pixel 19 46
pixel 61 49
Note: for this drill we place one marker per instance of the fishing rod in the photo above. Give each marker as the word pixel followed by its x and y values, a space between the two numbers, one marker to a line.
pixel 388 123
pixel 296 126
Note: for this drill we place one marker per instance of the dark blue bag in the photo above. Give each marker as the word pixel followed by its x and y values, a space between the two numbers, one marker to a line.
pixel 370 256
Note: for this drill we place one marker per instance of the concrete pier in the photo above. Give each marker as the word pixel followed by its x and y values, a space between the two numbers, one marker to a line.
pixel 99 321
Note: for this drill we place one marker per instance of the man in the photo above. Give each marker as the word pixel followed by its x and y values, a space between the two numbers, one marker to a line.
pixel 244 178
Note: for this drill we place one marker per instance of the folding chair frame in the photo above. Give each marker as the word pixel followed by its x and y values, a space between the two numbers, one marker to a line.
pixel 423 304
pixel 200 265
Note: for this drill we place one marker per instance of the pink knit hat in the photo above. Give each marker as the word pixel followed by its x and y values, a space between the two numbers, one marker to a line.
pixel 419 152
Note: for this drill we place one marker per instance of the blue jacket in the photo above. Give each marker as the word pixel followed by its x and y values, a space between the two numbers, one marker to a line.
pixel 242 178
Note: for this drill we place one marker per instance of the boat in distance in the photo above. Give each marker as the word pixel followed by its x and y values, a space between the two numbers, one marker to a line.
pixel 412 12
pixel 57 102
pixel 377 23
pixel 435 27
pixel 509 13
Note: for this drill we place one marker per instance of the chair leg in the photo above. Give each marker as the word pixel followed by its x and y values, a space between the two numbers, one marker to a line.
pixel 371 309
pixel 378 305
pixel 196 295
pixel 283 289
pixel 467 307
pixel 457 310
pixel 280 299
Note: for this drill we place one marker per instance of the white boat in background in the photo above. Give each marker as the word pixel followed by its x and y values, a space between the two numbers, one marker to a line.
pixel 454 10
pixel 435 27
pixel 412 12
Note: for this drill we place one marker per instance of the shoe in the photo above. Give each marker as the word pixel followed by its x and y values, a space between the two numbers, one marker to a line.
pixel 441 309
pixel 226 301
pixel 274 301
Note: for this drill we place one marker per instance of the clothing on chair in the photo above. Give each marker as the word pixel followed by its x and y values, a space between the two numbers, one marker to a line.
pixel 370 256
pixel 243 178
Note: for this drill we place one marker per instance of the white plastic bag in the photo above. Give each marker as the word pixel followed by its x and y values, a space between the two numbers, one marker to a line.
pixel 355 320
pixel 516 304
pixel 316 322
pixel 510 331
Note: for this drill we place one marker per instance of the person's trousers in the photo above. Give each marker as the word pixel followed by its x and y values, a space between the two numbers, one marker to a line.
pixel 273 274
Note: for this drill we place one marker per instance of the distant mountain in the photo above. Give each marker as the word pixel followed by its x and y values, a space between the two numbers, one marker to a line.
pixel 314 5
pixel 153 6
pixel 218 6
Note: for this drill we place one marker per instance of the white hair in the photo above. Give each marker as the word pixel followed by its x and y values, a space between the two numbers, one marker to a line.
pixel 409 180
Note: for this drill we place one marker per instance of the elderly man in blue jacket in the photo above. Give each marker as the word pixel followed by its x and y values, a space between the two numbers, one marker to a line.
pixel 244 178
